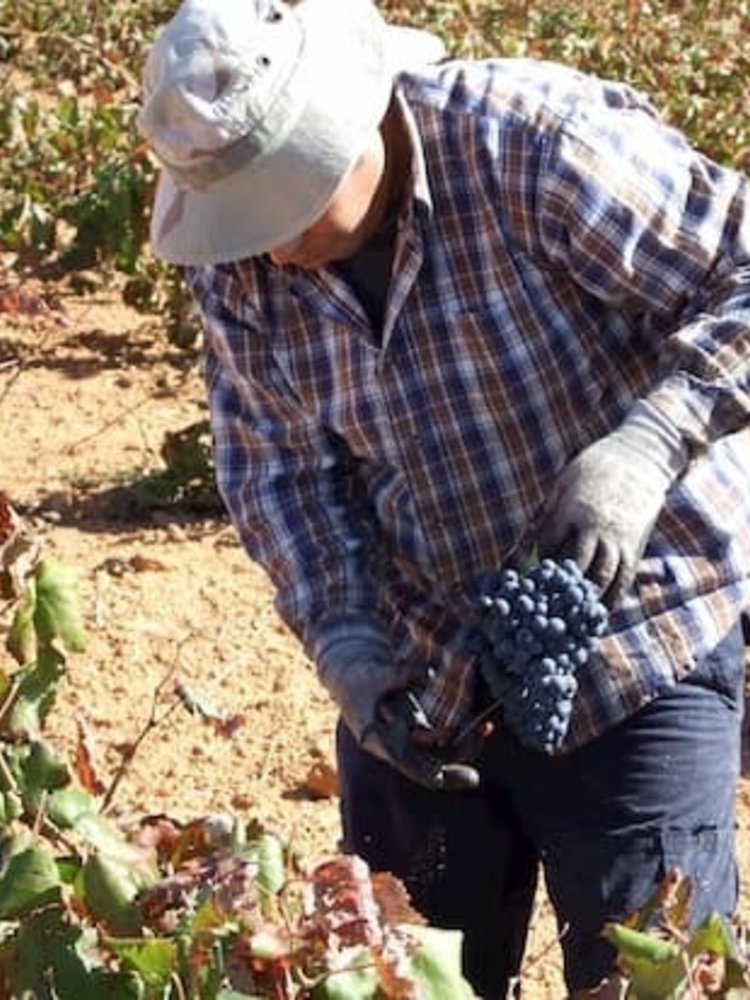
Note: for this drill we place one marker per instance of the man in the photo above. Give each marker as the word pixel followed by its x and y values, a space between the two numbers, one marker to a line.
pixel 455 312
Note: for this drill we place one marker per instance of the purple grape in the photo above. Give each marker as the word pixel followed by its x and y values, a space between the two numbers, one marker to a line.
pixel 539 627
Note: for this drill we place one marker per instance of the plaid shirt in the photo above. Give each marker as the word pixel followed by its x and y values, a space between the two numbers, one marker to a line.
pixel 562 252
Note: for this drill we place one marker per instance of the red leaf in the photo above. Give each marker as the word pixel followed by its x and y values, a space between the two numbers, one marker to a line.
pixel 9 520
pixel 84 759
pixel 344 901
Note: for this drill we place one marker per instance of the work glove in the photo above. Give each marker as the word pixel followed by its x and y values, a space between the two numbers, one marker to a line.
pixel 379 702
pixel 609 497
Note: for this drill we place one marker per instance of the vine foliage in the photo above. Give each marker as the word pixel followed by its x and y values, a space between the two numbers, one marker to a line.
pixel 210 909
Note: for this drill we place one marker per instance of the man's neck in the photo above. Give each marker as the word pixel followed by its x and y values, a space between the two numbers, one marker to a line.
pixel 397 159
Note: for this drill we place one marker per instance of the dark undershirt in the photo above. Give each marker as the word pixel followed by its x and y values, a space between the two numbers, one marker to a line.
pixel 368 272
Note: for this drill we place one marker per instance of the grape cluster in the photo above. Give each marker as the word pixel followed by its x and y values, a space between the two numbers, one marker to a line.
pixel 539 627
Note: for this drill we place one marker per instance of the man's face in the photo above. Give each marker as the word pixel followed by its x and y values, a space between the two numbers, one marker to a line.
pixel 348 221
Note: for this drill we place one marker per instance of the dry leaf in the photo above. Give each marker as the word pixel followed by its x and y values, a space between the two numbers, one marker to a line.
pixel 85 768
pixel 141 564
pixel 322 781
pixel 393 900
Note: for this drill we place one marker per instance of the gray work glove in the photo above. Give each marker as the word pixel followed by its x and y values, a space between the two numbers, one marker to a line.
pixel 609 497
pixel 379 702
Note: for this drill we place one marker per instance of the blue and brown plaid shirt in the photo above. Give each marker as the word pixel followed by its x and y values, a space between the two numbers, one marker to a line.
pixel 562 252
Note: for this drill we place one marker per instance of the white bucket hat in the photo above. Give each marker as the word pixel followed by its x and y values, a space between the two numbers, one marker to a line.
pixel 256 110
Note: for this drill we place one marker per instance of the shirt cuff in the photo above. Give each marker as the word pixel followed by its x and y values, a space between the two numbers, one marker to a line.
pixel 347 636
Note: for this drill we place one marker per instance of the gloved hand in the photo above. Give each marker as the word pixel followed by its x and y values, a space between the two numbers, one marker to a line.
pixel 379 702
pixel 610 496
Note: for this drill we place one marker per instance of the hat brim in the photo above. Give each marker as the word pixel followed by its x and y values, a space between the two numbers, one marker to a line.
pixel 350 66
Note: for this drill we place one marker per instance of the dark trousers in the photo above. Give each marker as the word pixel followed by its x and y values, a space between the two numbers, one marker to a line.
pixel 605 821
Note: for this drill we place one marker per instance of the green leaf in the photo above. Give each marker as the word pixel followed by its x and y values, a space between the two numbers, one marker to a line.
pixel 108 891
pixel 271 865
pixel 11 807
pixel 736 980
pixel 656 967
pixel 30 880
pixel 69 867
pixel 713 934
pixel 109 840
pixel 46 954
pixel 268 945
pixel 116 986
pixel 67 806
pixel 54 957
pixel 358 981
pixel 154 958
pixel 73 808
pixel 57 614
pixel 5 684
pixel 436 964
pixel 42 771
pixel 21 641
pixel 36 693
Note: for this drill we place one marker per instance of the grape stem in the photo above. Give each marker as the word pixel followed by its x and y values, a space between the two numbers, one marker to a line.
pixel 474 723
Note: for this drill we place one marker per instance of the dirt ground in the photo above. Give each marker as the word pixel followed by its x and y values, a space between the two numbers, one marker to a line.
pixel 88 391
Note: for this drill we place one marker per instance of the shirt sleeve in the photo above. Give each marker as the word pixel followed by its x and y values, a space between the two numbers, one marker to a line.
pixel 291 487
pixel 652 227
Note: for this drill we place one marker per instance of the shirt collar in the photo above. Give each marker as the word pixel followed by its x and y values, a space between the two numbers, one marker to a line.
pixel 419 187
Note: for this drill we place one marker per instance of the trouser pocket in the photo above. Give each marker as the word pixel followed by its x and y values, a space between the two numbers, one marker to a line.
pixel 620 875
pixel 706 855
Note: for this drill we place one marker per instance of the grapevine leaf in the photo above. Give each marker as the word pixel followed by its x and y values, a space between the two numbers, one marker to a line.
pixel 36 693
pixel 269 945
pixel 52 953
pixel 85 768
pixel 46 956
pixel 104 835
pixel 56 615
pixel 715 935
pixel 108 892
pixel 21 641
pixel 5 685
pixel 30 880
pixel 153 958
pixel 656 967
pixel 668 905
pixel 43 771
pixel 66 806
pixel 53 950
pixel 44 768
pixel 436 964
pixel 68 866
pixel 207 917
pixel 357 981
pixel 116 986
pixel 736 978
pixel 271 868
pixel 19 556
pixel 72 808
pixel 11 807
pixel 16 843
pixel 225 722
pixel 393 900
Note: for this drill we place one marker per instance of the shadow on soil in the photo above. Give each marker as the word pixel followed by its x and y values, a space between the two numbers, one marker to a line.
pixel 184 490
pixel 153 500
